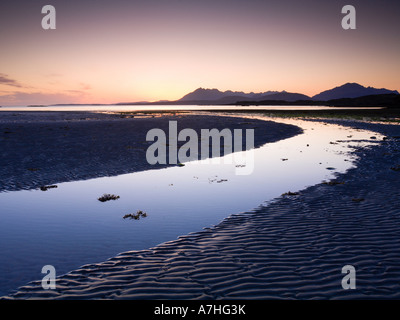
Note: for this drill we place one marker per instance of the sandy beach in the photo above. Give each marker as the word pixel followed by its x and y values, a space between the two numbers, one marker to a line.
pixel 292 248
pixel 172 152
pixel 45 148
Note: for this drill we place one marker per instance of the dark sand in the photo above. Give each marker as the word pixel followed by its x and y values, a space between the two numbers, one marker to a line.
pixel 46 148
pixel 293 248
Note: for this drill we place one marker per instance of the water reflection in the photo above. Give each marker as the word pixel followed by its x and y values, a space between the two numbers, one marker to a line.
pixel 68 226
pixel 127 108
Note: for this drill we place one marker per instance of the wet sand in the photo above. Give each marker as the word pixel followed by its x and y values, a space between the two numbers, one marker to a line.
pixel 46 148
pixel 292 248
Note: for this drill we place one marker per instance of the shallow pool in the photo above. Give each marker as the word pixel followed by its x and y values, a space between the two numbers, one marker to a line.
pixel 68 227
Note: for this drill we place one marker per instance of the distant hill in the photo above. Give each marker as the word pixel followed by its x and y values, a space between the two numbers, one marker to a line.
pixel 286 96
pixel 343 95
pixel 202 94
pixel 350 90
pixel 205 94
pixel 214 96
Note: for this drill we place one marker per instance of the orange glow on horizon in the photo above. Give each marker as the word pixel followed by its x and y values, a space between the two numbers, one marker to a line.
pixel 143 51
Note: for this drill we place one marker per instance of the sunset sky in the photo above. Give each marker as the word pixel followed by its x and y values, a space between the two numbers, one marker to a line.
pixel 125 50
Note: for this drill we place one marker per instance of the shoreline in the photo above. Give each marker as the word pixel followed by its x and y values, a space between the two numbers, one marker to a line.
pixel 25 219
pixel 291 248
pixel 82 145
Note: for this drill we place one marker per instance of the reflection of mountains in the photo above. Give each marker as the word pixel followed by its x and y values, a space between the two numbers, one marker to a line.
pixel 349 94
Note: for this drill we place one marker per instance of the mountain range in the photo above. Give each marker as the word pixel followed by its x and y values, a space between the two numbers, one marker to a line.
pixel 232 97
pixel 202 96
pixel 350 90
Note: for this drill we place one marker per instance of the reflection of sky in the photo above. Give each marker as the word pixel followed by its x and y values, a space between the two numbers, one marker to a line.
pixel 67 227
pixel 126 108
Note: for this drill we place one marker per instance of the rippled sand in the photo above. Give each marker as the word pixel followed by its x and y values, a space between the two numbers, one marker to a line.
pixel 292 248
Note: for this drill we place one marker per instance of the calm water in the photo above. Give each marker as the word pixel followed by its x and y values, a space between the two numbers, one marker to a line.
pixel 106 108
pixel 68 227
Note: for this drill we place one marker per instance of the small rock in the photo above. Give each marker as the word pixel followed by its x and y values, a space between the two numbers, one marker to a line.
pixel 45 188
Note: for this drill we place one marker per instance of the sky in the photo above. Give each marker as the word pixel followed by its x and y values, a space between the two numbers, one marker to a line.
pixel 125 50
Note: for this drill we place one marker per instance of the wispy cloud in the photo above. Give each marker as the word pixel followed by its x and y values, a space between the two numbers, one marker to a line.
pixel 54 75
pixel 85 86
pixel 6 80
pixel 23 98
pixel 13 92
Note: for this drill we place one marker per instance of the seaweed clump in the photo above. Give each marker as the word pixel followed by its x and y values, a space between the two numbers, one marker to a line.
pixel 136 216
pixel 45 188
pixel 107 197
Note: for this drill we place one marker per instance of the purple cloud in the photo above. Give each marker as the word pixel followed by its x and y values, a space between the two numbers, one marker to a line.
pixel 5 80
pixel 22 98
